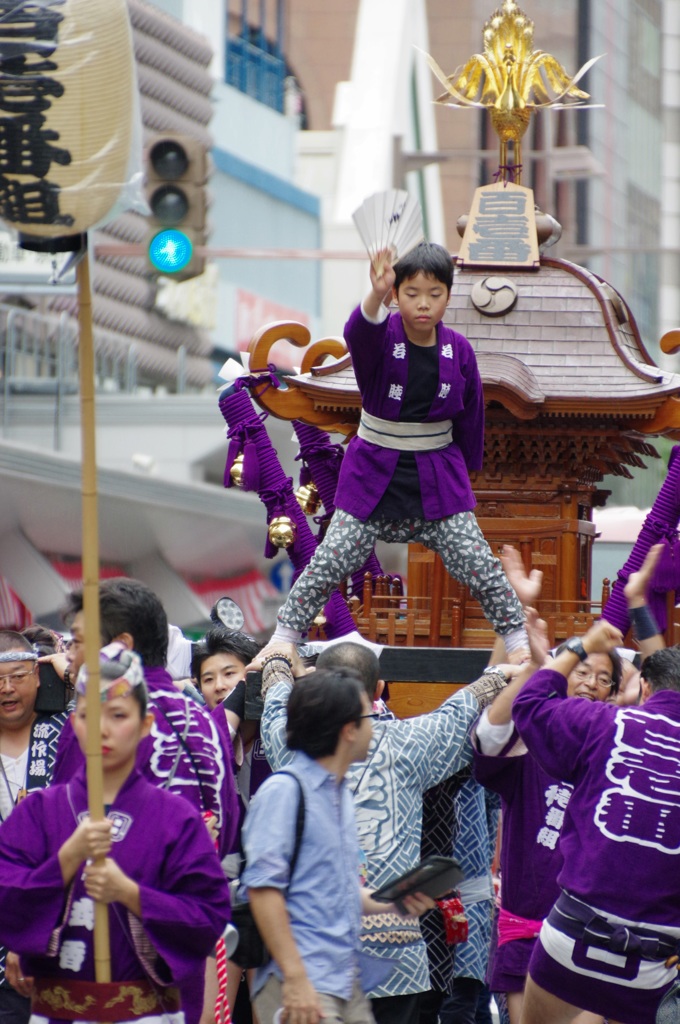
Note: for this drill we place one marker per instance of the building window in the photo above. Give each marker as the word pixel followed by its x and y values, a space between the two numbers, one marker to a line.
pixel 254 69
pixel 644 82
pixel 255 62
pixel 644 219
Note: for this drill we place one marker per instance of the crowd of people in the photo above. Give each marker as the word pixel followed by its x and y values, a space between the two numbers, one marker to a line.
pixel 200 799
pixel 305 813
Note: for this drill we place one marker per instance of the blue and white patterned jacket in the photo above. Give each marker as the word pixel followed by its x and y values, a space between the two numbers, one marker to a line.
pixel 404 759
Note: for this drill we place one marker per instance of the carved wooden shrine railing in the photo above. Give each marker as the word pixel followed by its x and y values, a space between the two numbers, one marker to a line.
pixel 385 615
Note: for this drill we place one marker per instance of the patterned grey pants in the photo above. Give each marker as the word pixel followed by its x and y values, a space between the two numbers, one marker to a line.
pixel 458 539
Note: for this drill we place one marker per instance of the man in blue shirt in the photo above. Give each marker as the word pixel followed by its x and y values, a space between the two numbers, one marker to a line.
pixel 310 920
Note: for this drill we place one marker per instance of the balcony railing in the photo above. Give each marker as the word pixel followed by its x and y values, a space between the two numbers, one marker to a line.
pixel 255 71
pixel 39 356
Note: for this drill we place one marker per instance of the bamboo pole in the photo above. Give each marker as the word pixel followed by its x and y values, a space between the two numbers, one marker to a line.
pixel 90 561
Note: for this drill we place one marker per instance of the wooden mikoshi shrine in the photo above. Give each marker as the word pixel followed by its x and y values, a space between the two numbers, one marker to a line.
pixel 571 395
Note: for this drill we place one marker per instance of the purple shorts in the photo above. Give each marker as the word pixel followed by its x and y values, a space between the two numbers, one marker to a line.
pixel 625 1004
pixel 509 965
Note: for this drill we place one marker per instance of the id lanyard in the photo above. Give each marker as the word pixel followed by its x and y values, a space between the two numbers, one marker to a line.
pixel 21 790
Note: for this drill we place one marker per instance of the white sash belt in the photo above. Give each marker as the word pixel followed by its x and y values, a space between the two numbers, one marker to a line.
pixel 406 437
pixel 474 890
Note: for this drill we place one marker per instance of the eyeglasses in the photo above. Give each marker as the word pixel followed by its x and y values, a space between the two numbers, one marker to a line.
pixel 601 678
pixel 373 714
pixel 16 678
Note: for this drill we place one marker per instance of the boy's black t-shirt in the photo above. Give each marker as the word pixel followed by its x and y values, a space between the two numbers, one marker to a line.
pixel 402 499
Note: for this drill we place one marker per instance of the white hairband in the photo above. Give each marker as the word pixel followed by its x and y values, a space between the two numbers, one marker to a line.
pixel 18 656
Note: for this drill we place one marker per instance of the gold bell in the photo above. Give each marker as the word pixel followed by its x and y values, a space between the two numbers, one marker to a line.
pixel 308 498
pixel 282 531
pixel 236 471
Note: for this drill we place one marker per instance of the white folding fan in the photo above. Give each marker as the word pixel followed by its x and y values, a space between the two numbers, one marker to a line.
pixel 390 225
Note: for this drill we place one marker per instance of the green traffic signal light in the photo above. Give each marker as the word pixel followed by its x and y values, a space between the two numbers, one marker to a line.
pixel 176 172
pixel 170 251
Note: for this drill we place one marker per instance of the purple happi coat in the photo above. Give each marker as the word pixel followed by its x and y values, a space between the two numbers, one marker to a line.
pixel 533 805
pixel 380 359
pixel 185 754
pixel 621 835
pixel 158 840
pixel 533 808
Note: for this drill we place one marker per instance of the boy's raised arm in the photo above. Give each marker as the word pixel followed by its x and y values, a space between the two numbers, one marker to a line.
pixel 381 288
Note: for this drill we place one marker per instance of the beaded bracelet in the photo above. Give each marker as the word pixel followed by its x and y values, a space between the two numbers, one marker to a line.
pixel 277 657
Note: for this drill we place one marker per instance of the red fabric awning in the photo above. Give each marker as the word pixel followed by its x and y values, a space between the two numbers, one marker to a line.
pixel 13 612
pixel 71 571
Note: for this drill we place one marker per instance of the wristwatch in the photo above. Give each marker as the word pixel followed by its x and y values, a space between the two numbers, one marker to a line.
pixel 496 670
pixel 576 647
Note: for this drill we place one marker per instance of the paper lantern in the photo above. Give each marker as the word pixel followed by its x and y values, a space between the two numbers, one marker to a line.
pixel 67 98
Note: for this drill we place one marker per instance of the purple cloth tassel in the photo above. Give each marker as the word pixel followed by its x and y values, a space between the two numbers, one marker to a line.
pixel 659 527
pixel 324 460
pixel 243 422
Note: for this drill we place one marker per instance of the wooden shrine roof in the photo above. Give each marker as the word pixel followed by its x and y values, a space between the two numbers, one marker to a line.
pixel 568 345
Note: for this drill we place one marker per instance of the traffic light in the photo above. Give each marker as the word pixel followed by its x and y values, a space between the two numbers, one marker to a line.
pixel 175 187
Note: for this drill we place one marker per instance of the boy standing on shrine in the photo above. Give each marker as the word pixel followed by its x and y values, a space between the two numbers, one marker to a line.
pixel 405 473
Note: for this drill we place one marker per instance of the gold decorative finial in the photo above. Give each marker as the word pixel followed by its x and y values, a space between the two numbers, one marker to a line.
pixel 511 80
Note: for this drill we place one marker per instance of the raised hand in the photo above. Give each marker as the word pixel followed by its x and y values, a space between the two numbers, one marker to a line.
pixel 527 587
pixel 537 631
pixel 287 650
pixel 382 272
pixel 637 586
pixel 602 638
